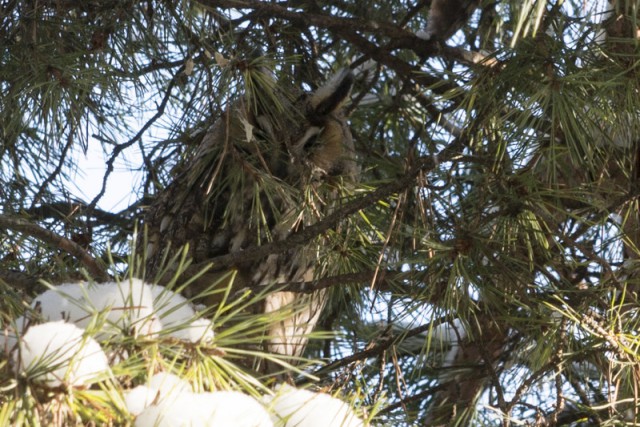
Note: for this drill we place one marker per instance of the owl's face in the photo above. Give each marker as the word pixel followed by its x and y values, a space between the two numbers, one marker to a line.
pixel 313 135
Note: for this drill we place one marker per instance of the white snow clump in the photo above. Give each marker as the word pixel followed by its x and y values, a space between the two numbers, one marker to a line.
pixel 130 305
pixel 293 407
pixel 209 409
pixel 59 353
pixel 159 387
pixel 178 317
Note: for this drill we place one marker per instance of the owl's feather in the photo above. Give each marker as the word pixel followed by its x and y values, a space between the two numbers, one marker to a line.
pixel 245 186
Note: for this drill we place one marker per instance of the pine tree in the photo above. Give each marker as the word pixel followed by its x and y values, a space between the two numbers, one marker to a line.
pixel 481 270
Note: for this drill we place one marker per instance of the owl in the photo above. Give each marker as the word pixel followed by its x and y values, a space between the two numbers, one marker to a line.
pixel 271 165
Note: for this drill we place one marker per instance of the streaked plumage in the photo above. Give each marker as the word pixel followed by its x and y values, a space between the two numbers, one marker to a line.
pixel 245 186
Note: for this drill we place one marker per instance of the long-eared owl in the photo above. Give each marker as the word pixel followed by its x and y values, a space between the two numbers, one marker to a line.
pixel 253 179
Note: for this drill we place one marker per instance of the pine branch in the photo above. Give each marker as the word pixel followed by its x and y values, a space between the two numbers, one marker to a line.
pixel 381 344
pixel 63 210
pixel 94 267
pixel 306 234
pixel 350 29
pixel 382 281
pixel 19 281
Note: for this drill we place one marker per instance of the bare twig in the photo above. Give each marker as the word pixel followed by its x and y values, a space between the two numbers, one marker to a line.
pixel 56 171
pixel 121 147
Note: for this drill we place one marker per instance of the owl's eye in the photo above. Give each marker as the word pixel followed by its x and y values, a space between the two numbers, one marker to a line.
pixel 309 140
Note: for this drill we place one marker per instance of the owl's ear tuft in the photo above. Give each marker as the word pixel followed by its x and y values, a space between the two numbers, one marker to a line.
pixel 333 94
